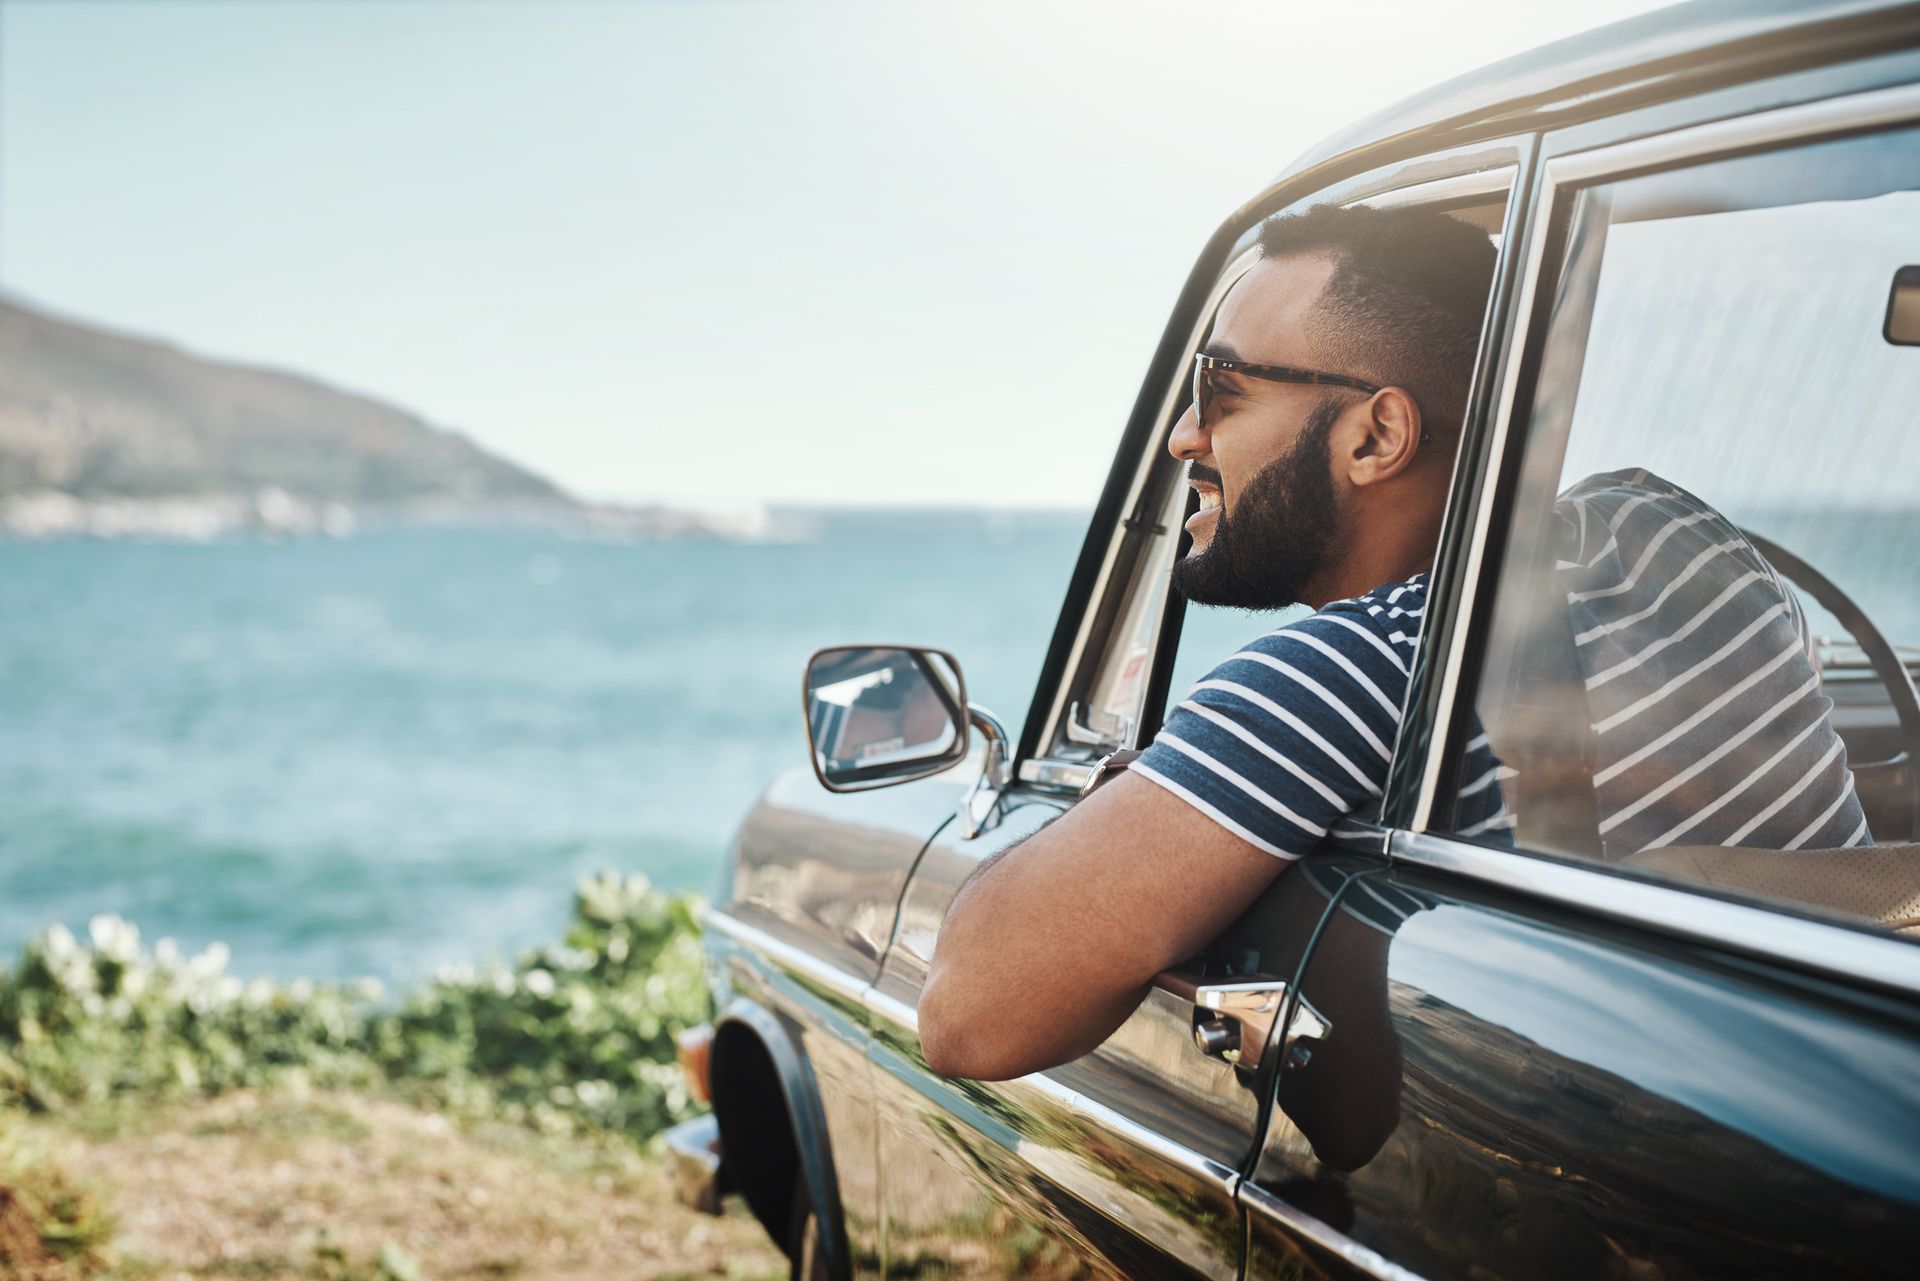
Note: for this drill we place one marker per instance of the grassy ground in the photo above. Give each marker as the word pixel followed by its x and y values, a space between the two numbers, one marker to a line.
pixel 347 1187
pixel 161 1118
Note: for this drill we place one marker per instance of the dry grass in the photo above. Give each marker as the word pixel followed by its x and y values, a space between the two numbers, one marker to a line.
pixel 338 1187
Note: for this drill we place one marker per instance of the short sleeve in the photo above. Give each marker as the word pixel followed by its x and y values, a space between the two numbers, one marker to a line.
pixel 1293 733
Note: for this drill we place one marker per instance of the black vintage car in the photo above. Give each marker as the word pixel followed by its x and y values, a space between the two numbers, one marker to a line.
pixel 1430 1051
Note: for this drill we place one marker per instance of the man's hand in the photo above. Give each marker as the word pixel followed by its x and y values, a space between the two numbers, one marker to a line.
pixel 1047 949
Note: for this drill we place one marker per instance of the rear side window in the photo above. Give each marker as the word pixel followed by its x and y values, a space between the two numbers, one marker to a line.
pixel 1708 612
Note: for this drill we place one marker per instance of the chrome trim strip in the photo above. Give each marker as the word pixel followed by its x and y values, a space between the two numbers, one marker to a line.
pixel 1222 1177
pixel 1501 180
pixel 892 1009
pixel 1047 772
pixel 1484 182
pixel 1483 519
pixel 1831 115
pixel 1155 452
pixel 693 1163
pixel 1837 950
pixel 1257 1200
pixel 1876 107
pixel 785 955
pixel 1411 169
pixel 1098 1114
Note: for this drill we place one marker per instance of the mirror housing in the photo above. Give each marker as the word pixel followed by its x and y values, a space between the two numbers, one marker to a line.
pixel 883 714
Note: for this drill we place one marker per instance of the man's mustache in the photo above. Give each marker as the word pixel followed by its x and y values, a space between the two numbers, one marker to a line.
pixel 1204 474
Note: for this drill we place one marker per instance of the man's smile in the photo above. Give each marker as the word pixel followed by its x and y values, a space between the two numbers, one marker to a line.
pixel 1207 487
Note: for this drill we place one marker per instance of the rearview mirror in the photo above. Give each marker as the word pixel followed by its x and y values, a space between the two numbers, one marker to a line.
pixel 1903 309
pixel 881 714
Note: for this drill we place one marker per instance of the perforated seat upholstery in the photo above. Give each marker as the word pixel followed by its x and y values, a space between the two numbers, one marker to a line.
pixel 1875 883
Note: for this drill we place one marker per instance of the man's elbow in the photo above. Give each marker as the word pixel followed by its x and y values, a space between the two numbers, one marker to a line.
pixel 966 1035
pixel 951 1051
pixel 956 1042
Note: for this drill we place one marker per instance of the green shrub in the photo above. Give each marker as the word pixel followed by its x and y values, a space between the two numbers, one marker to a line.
pixel 577 1034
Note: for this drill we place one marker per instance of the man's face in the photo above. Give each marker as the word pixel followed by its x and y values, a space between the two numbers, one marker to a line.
pixel 1261 463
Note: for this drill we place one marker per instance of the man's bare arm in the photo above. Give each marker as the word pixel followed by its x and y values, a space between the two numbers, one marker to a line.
pixel 1046 950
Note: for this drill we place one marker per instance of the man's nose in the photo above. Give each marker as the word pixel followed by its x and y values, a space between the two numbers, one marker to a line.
pixel 1189 439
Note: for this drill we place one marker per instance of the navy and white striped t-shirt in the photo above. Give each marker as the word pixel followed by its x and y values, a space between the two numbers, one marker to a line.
pixel 1292 735
pixel 1701 683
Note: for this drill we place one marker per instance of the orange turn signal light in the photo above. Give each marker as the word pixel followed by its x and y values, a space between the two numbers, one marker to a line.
pixel 694 1047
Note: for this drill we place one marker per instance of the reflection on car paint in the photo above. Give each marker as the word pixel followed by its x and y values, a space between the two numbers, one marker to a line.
pixel 1566 1106
pixel 1120 1164
pixel 804 874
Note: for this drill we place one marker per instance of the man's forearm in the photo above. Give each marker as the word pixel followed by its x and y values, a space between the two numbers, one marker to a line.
pixel 1001 1000
pixel 980 977
pixel 1046 950
pixel 1106 772
pixel 986 865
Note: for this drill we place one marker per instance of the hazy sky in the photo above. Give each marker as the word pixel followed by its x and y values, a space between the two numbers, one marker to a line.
pixel 700 252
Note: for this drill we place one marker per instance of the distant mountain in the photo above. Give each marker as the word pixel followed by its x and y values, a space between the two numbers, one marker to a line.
pixel 97 417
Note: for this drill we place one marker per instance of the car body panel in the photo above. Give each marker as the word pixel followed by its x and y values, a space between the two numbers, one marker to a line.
pixel 1127 1158
pixel 814 882
pixel 824 871
pixel 1051 1164
pixel 1586 1099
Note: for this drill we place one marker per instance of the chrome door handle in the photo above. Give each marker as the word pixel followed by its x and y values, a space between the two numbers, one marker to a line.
pixel 1234 1021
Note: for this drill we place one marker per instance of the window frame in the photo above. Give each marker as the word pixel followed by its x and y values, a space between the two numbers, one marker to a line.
pixel 1443 178
pixel 1404 185
pixel 1568 166
pixel 1128 548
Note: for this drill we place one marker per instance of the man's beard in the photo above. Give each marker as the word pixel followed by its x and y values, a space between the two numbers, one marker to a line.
pixel 1281 529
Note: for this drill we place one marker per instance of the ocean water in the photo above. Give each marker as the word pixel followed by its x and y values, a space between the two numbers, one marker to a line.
pixel 380 755
pixel 384 754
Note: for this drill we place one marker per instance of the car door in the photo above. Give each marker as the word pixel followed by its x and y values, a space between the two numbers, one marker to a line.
pixel 1693 1052
pixel 1127 1162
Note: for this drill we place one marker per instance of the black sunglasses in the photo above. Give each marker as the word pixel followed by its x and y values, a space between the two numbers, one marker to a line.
pixel 1205 368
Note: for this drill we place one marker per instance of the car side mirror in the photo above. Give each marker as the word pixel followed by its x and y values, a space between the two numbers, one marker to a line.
pixel 883 714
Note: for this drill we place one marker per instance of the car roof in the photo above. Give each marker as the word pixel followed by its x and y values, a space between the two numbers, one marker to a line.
pixel 1651 55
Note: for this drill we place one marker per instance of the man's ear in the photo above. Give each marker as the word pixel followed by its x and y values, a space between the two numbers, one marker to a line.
pixel 1386 437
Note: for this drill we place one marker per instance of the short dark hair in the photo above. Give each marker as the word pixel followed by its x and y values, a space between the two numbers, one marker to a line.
pixel 1406 302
